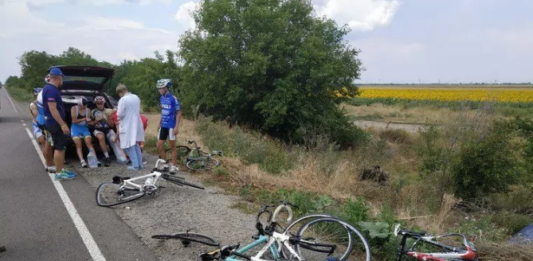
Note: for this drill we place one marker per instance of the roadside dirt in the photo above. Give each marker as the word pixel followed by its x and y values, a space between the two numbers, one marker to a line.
pixel 413 128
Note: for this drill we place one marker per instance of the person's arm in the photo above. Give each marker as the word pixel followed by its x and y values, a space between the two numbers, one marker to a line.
pixel 178 116
pixel 34 111
pixel 121 110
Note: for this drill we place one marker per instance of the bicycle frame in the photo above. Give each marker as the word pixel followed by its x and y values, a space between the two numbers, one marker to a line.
pixel 272 241
pixel 469 253
pixel 130 183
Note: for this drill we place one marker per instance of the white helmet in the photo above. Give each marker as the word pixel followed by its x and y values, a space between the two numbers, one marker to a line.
pixel 162 83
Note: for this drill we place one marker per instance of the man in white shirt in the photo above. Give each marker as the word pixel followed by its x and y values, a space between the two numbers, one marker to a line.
pixel 131 128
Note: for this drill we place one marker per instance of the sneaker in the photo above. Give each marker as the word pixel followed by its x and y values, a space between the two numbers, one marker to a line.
pixel 173 169
pixel 107 161
pixel 83 164
pixel 51 169
pixel 65 174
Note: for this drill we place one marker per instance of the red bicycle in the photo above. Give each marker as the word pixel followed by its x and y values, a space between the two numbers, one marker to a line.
pixel 422 246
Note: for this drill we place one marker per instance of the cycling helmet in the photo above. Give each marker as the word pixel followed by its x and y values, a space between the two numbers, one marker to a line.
pixel 162 83
pixel 83 101
pixel 98 99
pixel 36 91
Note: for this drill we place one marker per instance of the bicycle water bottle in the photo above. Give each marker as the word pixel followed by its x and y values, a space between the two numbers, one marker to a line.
pixel 93 162
pixel 148 181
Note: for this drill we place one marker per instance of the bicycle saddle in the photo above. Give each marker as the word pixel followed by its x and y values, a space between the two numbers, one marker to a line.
pixel 119 179
pixel 413 233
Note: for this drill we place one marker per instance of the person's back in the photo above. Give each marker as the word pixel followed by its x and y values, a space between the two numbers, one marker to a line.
pixel 52 94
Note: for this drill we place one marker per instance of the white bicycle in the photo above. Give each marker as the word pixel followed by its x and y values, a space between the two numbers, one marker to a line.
pixel 125 189
pixel 319 237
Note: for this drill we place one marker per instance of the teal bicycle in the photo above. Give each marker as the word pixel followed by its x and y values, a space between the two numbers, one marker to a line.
pixel 318 237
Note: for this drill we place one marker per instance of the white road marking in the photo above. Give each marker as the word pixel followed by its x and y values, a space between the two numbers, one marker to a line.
pixel 9 97
pixel 86 236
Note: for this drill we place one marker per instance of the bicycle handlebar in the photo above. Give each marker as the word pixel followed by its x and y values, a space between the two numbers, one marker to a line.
pixel 159 161
pixel 284 205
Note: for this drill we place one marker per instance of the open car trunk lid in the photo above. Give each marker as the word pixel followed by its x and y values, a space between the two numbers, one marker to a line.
pixel 87 78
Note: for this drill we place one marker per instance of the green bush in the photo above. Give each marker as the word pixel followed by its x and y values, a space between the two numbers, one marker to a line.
pixel 486 165
pixel 511 221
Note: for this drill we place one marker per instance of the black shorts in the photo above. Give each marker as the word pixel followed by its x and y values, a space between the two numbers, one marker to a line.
pixel 166 133
pixel 59 139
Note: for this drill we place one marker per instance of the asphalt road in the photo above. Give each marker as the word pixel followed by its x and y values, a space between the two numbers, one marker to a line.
pixel 42 219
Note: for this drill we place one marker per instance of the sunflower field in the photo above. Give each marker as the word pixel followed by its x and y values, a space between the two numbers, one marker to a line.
pixel 517 95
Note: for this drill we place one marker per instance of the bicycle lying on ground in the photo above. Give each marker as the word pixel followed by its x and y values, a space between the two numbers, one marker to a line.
pixel 125 189
pixel 307 244
pixel 194 158
pixel 466 252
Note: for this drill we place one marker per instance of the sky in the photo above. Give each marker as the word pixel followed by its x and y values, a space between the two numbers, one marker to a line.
pixel 401 41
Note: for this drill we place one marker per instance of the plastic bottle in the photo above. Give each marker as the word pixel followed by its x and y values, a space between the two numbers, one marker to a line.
pixel 93 162
pixel 148 181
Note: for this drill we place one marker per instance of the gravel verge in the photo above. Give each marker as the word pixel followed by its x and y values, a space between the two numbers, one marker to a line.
pixel 172 209
pixel 176 209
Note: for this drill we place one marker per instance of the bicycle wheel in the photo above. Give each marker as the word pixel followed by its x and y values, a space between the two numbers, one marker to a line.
pixel 181 151
pixel 110 194
pixel 202 163
pixel 180 181
pixel 190 237
pixel 330 237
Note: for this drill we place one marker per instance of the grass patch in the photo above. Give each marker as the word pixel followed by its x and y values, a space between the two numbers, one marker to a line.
pixel 271 157
pixel 19 94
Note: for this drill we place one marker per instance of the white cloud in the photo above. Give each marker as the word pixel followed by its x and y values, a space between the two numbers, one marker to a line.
pixel 361 15
pixel 109 39
pixel 184 14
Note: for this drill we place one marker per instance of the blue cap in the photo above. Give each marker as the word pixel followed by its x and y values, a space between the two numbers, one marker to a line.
pixel 56 72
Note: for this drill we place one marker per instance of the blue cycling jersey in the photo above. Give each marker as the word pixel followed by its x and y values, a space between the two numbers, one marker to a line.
pixel 40 109
pixel 169 108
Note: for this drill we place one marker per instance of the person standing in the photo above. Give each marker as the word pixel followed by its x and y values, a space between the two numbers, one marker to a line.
pixel 130 128
pixel 169 124
pixel 54 114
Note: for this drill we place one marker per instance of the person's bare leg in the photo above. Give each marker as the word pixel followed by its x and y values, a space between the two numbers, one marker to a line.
pixel 161 149
pixel 101 140
pixel 174 151
pixel 48 154
pixel 59 159
pixel 79 147
pixel 89 144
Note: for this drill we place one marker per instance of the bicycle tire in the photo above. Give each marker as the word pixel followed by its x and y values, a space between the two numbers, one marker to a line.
pixel 180 181
pixel 194 237
pixel 350 246
pixel 202 163
pixel 181 151
pixel 101 193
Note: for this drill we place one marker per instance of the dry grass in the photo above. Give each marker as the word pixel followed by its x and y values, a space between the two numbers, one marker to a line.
pixel 399 114
pixel 186 133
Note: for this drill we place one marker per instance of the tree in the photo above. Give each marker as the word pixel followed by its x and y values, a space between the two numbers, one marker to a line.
pixel 270 64
pixel 34 66
pixel 73 56
pixel 13 81
pixel 141 76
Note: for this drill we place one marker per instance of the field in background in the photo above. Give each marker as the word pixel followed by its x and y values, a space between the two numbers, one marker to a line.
pixel 498 93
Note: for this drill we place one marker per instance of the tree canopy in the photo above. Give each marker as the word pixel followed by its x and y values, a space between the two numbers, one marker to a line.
pixel 271 64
